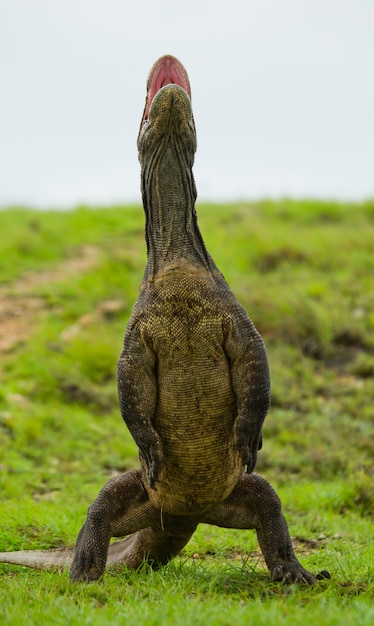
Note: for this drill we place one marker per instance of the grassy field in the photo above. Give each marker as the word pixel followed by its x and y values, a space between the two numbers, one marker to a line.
pixel 68 281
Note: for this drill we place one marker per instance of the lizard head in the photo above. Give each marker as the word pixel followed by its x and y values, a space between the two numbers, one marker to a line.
pixel 166 151
pixel 165 71
pixel 167 110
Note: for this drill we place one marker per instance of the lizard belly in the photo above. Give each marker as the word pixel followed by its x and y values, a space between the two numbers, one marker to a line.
pixel 195 420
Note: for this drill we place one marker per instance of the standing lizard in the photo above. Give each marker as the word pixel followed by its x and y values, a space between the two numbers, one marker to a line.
pixel 193 381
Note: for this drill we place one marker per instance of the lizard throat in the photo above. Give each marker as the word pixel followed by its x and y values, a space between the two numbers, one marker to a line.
pixel 169 194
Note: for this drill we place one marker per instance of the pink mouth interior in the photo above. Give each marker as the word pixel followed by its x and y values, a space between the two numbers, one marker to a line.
pixel 166 71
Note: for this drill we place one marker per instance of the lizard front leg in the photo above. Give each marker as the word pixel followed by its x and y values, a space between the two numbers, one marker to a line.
pixel 250 380
pixel 137 391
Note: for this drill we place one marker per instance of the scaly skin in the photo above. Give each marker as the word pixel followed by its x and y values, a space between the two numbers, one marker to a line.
pixel 193 378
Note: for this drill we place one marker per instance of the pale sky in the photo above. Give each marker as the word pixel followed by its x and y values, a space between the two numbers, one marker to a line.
pixel 282 92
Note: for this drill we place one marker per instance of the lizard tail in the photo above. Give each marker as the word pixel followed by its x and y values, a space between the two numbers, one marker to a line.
pixel 40 559
pixel 61 558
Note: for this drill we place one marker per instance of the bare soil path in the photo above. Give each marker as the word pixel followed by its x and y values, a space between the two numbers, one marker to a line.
pixel 19 305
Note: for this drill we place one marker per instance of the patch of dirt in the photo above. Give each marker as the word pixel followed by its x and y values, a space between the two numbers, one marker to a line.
pixel 19 306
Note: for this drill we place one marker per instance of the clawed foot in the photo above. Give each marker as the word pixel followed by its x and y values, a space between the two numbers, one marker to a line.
pixel 290 572
pixel 85 569
pixel 153 470
pixel 90 553
pixel 153 457
pixel 247 442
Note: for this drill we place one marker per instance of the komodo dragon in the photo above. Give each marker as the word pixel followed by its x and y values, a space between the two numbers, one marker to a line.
pixel 193 381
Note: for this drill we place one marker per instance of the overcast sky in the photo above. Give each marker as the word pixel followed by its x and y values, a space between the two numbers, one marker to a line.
pixel 282 91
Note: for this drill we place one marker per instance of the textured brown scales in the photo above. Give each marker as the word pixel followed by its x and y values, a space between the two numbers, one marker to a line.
pixel 193 381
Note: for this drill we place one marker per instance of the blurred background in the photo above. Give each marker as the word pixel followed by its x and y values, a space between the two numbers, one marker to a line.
pixel 283 96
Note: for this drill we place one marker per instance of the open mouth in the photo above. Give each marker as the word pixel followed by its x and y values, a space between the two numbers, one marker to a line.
pixel 166 71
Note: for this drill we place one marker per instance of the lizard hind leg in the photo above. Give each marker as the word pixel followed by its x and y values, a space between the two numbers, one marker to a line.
pixel 123 508
pixel 254 504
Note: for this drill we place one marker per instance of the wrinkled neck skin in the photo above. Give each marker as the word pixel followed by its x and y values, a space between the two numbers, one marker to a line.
pixel 169 194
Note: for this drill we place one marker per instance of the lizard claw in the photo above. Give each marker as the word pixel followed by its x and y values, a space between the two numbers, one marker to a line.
pixel 152 475
pixel 247 443
pixel 153 458
pixel 290 572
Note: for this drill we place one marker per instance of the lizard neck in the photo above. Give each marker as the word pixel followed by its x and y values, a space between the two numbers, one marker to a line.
pixel 169 194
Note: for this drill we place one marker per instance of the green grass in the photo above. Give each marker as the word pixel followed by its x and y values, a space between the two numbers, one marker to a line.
pixel 304 271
